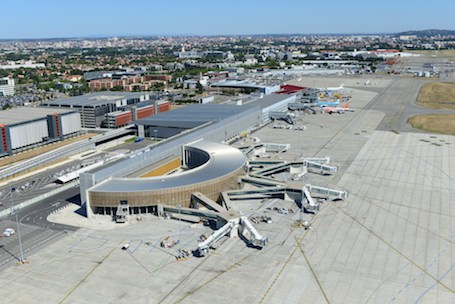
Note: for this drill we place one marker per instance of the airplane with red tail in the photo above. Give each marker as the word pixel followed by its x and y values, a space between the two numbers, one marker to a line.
pixel 338 110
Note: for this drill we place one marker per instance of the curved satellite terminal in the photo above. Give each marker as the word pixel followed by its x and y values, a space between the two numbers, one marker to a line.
pixel 209 168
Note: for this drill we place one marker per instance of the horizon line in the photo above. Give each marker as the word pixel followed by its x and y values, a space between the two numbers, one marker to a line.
pixel 106 36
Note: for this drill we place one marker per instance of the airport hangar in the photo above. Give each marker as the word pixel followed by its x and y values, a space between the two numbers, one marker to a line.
pixel 209 166
pixel 26 127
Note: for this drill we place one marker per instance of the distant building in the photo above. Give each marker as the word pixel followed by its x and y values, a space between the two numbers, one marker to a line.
pixel 73 78
pixel 109 109
pixel 156 67
pixel 129 83
pixel 126 115
pixel 98 75
pixel 174 66
pixel 408 37
pixel 24 64
pixel 250 60
pixel 190 83
pixel 188 54
pixel 6 86
pixel 246 85
pixel 63 86
pixel 206 99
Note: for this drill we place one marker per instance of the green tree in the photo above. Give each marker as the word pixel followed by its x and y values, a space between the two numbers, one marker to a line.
pixel 159 86
pixel 117 88
pixel 199 88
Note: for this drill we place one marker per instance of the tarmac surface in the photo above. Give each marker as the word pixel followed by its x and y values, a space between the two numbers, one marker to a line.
pixel 390 241
pixel 36 230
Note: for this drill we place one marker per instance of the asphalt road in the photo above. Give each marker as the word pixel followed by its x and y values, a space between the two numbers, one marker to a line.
pixel 36 231
pixel 398 102
pixel 40 183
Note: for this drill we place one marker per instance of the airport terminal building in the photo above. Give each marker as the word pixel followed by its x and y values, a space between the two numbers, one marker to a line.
pixel 193 133
pixel 210 168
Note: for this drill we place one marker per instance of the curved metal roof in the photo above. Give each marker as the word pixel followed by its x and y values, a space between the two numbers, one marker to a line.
pixel 222 161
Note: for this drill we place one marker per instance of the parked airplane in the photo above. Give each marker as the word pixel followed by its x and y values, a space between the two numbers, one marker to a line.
pixel 332 89
pixel 338 110
pixel 324 104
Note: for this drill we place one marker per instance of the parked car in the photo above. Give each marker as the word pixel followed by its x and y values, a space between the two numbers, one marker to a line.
pixel 9 232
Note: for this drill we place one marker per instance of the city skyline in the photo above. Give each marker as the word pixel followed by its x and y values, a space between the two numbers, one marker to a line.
pixel 54 19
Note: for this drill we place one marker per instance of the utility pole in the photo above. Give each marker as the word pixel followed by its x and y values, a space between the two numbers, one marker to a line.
pixel 16 212
pixel 180 233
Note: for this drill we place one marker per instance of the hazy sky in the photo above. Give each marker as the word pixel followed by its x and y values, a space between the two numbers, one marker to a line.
pixel 61 18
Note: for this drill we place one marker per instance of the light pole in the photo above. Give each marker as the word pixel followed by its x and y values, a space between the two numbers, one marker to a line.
pixel 16 212
pixel 180 234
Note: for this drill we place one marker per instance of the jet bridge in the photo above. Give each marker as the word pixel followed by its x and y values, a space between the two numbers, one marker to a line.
pixel 316 167
pixel 308 202
pixel 260 181
pixel 300 106
pixel 260 193
pixel 199 198
pixel 255 238
pixel 265 147
pixel 204 246
pixel 282 116
pixel 291 167
pixel 327 193
pixel 233 222
pixel 320 160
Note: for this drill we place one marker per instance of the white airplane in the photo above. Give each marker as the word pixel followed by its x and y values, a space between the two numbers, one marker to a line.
pixel 332 89
pixel 338 110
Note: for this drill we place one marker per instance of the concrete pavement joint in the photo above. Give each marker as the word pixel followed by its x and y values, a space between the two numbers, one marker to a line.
pixel 396 250
pixel 312 270
pixel 87 275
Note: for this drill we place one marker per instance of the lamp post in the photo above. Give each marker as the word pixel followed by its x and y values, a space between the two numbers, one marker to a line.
pixel 16 212
pixel 180 233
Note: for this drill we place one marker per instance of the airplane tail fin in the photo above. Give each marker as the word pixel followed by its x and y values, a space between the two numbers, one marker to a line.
pixel 346 106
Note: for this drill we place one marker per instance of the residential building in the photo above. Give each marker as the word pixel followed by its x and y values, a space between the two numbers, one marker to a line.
pixel 6 86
